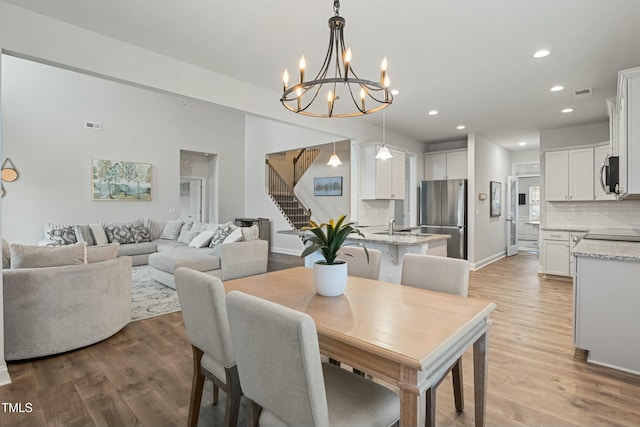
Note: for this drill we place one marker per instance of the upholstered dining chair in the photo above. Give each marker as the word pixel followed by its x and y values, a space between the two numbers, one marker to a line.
pixel 440 274
pixel 202 298
pixel 283 379
pixel 357 264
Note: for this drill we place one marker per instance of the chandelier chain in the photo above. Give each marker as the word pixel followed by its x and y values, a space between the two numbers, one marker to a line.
pixel 336 7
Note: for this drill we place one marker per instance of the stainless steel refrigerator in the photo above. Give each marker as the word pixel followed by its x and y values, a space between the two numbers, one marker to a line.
pixel 443 210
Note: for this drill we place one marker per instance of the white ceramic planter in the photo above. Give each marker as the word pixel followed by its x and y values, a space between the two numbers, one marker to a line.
pixel 330 280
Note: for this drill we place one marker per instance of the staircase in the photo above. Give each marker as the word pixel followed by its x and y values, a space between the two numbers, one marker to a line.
pixel 302 161
pixel 289 205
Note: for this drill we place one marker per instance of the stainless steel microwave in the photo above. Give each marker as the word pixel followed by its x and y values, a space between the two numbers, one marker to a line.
pixel 610 175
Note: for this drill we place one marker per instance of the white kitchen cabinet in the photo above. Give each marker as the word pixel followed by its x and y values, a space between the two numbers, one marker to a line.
pixel 600 153
pixel 606 315
pixel 445 165
pixel 382 179
pixel 569 175
pixel 555 252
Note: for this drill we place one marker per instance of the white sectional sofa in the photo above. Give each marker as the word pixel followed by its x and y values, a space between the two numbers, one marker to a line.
pixel 235 251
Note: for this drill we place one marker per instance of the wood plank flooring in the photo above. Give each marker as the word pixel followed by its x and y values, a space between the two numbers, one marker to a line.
pixel 142 375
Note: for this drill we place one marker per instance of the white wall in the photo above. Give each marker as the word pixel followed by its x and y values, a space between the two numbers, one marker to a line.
pixel 525 156
pixel 491 163
pixel 447 145
pixel 4 373
pixel 44 109
pixel 324 208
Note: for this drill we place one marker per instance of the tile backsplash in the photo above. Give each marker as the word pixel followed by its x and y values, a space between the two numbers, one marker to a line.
pixel 375 212
pixel 613 214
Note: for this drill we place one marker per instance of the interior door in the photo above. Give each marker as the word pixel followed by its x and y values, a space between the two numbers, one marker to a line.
pixel 512 215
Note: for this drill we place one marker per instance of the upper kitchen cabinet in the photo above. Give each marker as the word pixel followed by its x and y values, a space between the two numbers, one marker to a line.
pixel 569 175
pixel 627 145
pixel 445 165
pixel 382 179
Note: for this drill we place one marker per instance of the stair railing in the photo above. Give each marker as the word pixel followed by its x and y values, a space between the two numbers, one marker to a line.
pixel 302 162
pixel 277 186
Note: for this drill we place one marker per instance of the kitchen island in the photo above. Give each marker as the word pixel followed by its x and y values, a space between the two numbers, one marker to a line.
pixel 393 247
pixel 606 301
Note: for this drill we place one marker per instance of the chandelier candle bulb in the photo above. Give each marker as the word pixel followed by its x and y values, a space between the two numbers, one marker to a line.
pixel 303 65
pixel 299 94
pixel 363 95
pixel 285 78
pixel 330 100
pixel 383 69
pixel 387 82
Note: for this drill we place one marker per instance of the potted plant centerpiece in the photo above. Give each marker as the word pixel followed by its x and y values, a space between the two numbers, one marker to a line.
pixel 330 274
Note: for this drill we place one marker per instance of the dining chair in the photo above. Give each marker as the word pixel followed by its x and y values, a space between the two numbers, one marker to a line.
pixel 202 298
pixel 357 264
pixel 440 274
pixel 283 379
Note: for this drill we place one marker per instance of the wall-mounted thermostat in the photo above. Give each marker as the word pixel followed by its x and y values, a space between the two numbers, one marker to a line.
pixel 93 125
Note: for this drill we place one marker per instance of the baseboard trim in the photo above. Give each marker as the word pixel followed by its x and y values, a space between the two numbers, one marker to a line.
pixel 483 263
pixel 286 251
pixel 4 375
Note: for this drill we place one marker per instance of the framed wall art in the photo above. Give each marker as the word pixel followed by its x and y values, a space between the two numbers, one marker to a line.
pixel 120 180
pixel 496 194
pixel 327 186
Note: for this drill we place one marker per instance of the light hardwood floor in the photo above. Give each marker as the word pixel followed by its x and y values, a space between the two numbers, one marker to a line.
pixel 142 375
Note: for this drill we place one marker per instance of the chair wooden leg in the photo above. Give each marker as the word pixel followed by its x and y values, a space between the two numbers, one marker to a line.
pixel 253 413
pixel 196 388
pixel 430 412
pixel 458 393
pixel 234 393
pixel 216 393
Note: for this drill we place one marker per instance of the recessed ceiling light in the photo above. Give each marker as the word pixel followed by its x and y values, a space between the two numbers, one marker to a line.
pixel 433 113
pixel 567 110
pixel 522 143
pixel 395 92
pixel 541 53
pixel 557 88
pixel 460 127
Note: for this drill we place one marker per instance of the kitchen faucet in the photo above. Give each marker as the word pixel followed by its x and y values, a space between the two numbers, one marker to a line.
pixel 392 222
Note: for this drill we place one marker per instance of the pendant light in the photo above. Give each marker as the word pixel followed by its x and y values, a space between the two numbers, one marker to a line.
pixel 334 160
pixel 383 152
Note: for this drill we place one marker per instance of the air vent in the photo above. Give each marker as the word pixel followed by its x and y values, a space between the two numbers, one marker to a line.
pixel 583 93
pixel 93 125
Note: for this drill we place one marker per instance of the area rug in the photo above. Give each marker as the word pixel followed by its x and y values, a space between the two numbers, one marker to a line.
pixel 148 297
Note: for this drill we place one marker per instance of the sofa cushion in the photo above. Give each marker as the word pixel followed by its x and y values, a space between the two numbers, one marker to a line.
pixel 83 234
pixel 99 253
pixel 250 233
pixel 6 255
pixel 169 261
pixel 220 234
pixel 165 245
pixel 61 233
pixel 202 239
pixel 155 228
pixel 99 236
pixel 188 232
pixel 171 230
pixel 203 251
pixel 140 234
pixel 27 256
pixel 137 249
pixel 234 236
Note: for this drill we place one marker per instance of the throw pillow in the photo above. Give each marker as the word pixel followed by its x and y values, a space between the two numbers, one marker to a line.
pixel 26 256
pixel 219 235
pixel 234 236
pixel 250 233
pixel 63 234
pixel 186 233
pixel 99 235
pixel 140 234
pixel 119 234
pixel 83 234
pixel 155 228
pixel 99 253
pixel 202 239
pixel 6 255
pixel 171 230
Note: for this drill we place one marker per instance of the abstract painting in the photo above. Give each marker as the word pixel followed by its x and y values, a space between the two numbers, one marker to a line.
pixel 496 195
pixel 329 186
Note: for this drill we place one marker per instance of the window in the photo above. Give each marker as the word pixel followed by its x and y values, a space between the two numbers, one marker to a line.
pixel 534 203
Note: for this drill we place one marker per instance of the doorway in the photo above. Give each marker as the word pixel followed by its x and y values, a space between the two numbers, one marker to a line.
pixel 191 198
pixel 528 206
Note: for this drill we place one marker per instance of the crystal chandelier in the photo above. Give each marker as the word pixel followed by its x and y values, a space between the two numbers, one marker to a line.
pixel 346 94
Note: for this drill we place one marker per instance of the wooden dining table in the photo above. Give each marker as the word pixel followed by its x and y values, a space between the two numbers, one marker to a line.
pixel 405 336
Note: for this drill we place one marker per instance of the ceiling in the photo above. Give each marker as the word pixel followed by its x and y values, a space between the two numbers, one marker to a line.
pixel 469 60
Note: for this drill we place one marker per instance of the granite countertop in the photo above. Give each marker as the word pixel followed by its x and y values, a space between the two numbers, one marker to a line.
pixel 608 249
pixel 371 234
pixel 565 228
pixel 399 238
